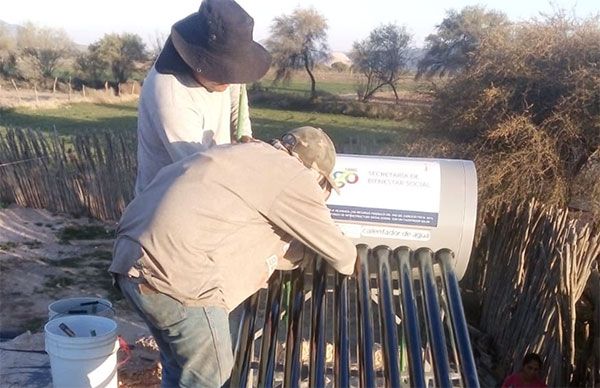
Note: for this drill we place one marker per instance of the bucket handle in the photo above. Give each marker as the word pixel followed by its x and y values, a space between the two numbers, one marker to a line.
pixel 124 346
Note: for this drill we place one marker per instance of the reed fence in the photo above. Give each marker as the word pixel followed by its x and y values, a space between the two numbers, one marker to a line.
pixel 87 175
pixel 531 267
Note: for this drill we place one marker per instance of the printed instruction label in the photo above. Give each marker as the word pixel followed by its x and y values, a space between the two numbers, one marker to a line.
pixel 386 191
pixel 384 232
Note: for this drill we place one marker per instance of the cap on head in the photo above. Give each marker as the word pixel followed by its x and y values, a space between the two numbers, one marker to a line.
pixel 314 148
pixel 216 42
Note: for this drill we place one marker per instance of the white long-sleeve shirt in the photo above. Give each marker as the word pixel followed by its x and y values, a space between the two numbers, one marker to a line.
pixel 178 117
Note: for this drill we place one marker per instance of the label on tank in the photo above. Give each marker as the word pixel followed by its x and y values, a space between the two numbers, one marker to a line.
pixel 383 232
pixel 386 191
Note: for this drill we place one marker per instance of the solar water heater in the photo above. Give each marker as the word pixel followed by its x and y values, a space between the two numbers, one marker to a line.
pixel 399 320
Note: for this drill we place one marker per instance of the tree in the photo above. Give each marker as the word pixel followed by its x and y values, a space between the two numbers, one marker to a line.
pixel 43 49
pixel 115 54
pixel 459 34
pixel 92 69
pixel 156 45
pixel 8 53
pixel 381 58
pixel 298 41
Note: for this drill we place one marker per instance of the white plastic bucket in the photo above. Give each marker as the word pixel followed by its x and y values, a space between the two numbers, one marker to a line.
pixel 83 360
pixel 81 306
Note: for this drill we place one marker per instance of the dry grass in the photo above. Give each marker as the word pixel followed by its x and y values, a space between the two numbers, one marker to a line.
pixel 29 98
pixel 524 163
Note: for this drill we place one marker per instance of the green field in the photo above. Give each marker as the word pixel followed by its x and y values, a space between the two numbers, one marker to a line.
pixel 72 119
pixel 267 123
pixel 302 87
pixel 337 83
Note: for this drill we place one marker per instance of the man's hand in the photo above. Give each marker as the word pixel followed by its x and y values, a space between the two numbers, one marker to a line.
pixel 245 139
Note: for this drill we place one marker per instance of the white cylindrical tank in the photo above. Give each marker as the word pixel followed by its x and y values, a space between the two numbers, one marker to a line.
pixel 412 202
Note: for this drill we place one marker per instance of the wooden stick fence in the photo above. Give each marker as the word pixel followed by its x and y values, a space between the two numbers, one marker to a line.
pixel 93 176
pixel 533 265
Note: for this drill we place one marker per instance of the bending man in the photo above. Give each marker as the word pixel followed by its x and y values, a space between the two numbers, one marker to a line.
pixel 210 230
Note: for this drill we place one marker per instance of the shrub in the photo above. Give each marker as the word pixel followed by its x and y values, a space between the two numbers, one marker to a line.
pixel 340 67
pixel 530 105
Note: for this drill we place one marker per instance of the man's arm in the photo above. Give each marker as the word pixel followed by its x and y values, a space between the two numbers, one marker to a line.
pixel 300 211
pixel 179 128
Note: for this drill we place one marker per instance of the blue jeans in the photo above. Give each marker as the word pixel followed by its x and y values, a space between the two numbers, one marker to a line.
pixel 194 342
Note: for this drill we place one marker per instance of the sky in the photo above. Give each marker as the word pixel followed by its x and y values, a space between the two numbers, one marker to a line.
pixel 348 21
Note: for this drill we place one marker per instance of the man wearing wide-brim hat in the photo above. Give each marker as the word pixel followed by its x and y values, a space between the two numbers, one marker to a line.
pixel 209 231
pixel 193 97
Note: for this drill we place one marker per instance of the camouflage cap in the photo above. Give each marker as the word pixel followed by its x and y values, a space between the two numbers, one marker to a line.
pixel 314 148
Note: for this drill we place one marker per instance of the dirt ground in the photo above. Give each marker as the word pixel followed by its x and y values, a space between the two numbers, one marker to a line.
pixel 45 257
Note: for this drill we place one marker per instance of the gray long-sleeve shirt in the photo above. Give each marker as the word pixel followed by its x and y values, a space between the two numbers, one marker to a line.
pixel 178 117
pixel 210 229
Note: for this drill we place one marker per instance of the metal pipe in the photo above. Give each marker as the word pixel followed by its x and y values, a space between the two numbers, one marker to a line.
pixel 243 353
pixel 410 319
pixel 365 319
pixel 341 333
pixel 457 316
pixel 266 368
pixel 452 349
pixel 317 337
pixel 441 366
pixel 387 317
pixel 294 333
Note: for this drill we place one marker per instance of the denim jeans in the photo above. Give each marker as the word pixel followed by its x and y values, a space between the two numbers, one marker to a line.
pixel 194 342
pixel 235 319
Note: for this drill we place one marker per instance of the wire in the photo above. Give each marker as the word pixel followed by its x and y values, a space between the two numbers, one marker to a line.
pixel 22 161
